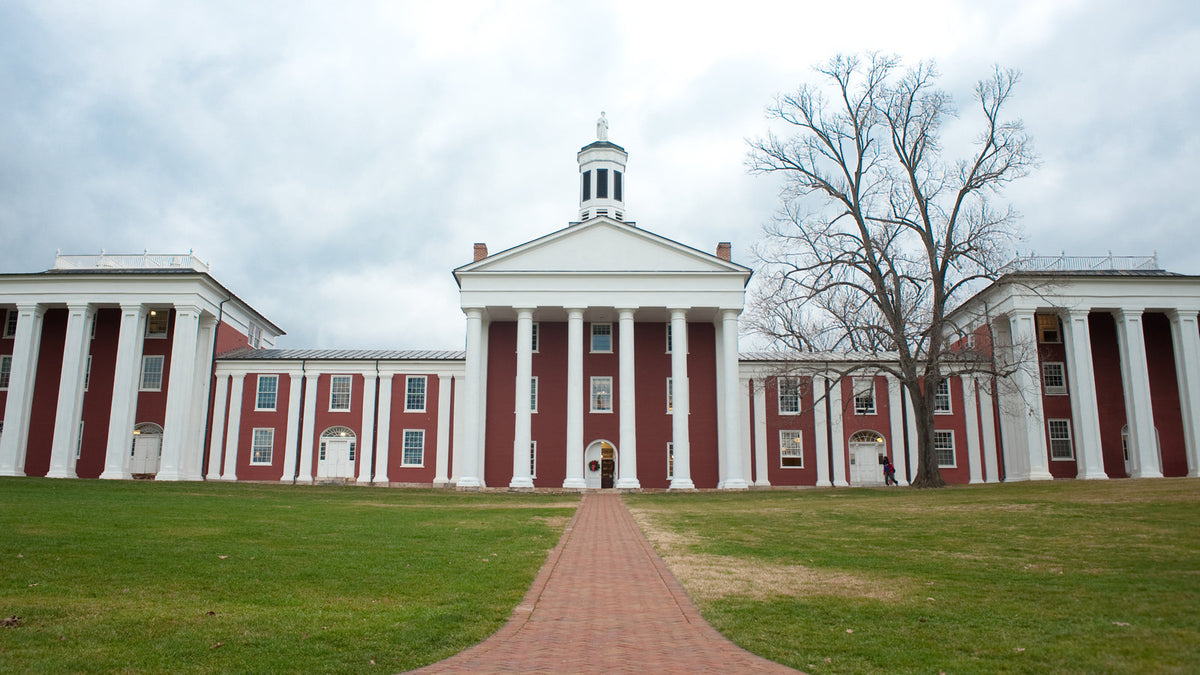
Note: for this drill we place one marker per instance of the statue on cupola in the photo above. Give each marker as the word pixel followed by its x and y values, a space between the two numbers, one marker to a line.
pixel 602 127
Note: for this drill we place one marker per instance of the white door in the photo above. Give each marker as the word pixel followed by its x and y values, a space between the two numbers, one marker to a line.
pixel 865 468
pixel 336 462
pixel 147 450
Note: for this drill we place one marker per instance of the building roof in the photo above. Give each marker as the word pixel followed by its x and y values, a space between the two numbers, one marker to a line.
pixel 247 354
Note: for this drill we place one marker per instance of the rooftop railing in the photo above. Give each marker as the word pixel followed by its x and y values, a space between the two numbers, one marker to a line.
pixel 134 261
pixel 1081 263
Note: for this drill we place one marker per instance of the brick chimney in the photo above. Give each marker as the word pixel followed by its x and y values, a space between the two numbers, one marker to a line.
pixel 480 251
pixel 723 251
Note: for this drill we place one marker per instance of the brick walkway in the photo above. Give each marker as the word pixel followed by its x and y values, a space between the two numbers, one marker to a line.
pixel 605 602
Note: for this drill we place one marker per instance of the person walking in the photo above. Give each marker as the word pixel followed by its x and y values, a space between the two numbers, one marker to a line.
pixel 889 472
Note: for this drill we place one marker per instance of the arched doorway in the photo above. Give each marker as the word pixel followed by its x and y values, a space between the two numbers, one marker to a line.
pixel 145 451
pixel 867 450
pixel 335 456
pixel 600 465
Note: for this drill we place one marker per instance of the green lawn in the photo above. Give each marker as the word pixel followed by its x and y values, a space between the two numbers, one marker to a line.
pixel 213 577
pixel 1098 576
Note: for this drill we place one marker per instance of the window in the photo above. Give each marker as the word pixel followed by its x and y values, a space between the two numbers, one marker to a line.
pixel 79 441
pixel 414 447
pixel 534 340
pixel 533 459
pixel 5 370
pixel 10 324
pixel 87 373
pixel 338 434
pixel 254 335
pixel 670 461
pixel 268 392
pixel 533 385
pixel 263 444
pixel 941 398
pixel 943 447
pixel 670 396
pixel 791 450
pixel 864 396
pixel 601 183
pixel 1047 328
pixel 156 323
pixel 602 337
pixel 339 393
pixel 789 396
pixel 414 393
pixel 1060 440
pixel 668 338
pixel 92 327
pixel 152 373
pixel 602 394
pixel 587 185
pixel 1054 378
pixel 617 186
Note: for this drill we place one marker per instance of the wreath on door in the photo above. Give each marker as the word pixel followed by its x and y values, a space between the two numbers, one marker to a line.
pixel 594 465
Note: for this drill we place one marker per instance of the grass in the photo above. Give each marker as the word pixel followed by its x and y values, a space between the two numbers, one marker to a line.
pixel 1068 577
pixel 210 577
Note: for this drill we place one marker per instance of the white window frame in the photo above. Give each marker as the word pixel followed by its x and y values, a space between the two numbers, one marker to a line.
pixel 259 393
pixel 533 394
pixel 670 396
pixel 939 396
pixel 601 380
pixel 152 316
pixel 254 335
pixel 1061 375
pixel 609 334
pixel 10 323
pixel 418 434
pixel 784 435
pixel 1039 319
pixel 162 367
pixel 1062 425
pixel 534 339
pixel 670 460
pixel 410 399
pixel 943 433
pixel 863 389
pixel 79 442
pixel 333 380
pixel 668 338
pixel 780 384
pixel 262 439
pixel 5 371
pixel 533 459
pixel 87 373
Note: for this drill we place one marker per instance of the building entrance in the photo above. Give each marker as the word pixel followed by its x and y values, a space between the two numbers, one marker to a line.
pixel 600 465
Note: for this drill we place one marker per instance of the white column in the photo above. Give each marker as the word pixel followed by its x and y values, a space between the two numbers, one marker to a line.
pixel 383 439
pixel 304 475
pixel 971 416
pixel 442 467
pixel 1029 416
pixel 821 427
pixel 760 433
pixel 574 477
pixel 19 403
pixel 481 457
pixel 216 442
pixel 456 443
pixel 730 405
pixel 1139 409
pixel 681 405
pixel 1185 338
pixel 522 427
pixel 473 414
pixel 837 434
pixel 234 433
pixel 192 459
pixel 292 434
pixel 179 390
pixel 367 441
pixel 723 456
pixel 1085 410
pixel 627 471
pixel 70 393
pixel 913 448
pixel 122 414
pixel 896 420
pixel 987 423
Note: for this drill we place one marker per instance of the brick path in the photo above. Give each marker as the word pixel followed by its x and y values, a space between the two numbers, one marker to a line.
pixel 605 602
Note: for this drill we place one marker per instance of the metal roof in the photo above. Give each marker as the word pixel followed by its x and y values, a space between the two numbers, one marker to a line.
pixel 247 354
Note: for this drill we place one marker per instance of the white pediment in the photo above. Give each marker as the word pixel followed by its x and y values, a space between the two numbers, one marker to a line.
pixel 602 245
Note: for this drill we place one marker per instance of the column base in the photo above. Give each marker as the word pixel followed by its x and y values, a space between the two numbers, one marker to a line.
pixel 575 484
pixel 468 483
pixel 363 480
pixel 682 484
pixel 762 484
pixel 628 484
pixel 440 482
pixel 230 478
pixel 11 472
pixel 736 484
pixel 521 483
pixel 115 475
pixel 1095 475
pixel 1147 474
pixel 841 482
pixel 1040 475
pixel 61 474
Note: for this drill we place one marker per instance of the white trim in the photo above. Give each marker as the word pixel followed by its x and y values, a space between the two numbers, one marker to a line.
pixel 254 446
pixel 949 398
pixel 258 392
pixel 349 393
pixel 595 380
pixel 863 388
pixel 779 384
pixel 404 448
pixel 6 371
pixel 147 358
pixel 151 316
pixel 1058 389
pixel 1065 426
pixel 592 341
pixel 533 394
pixel 670 397
pixel 953 448
pixel 424 394
pixel 799 436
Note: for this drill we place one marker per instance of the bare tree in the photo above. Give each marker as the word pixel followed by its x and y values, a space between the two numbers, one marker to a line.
pixel 879 235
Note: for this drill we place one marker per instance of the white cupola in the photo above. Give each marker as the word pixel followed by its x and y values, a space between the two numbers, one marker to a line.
pixel 602 177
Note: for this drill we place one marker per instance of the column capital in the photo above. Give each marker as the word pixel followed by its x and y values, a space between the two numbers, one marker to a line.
pixel 187 309
pixel 624 312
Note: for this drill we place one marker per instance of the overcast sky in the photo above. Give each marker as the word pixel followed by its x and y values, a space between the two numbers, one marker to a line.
pixel 334 161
